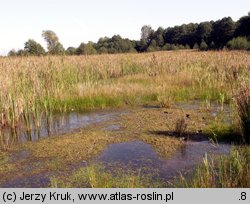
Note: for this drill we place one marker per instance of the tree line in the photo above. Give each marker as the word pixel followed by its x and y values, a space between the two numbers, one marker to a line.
pixel 210 35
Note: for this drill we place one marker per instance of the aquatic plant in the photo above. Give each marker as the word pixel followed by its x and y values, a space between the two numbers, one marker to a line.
pixel 232 171
pixel 180 126
pixel 222 101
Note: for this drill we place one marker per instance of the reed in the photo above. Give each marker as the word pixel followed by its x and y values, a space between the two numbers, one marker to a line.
pixel 243 104
pixel 180 126
pixel 35 87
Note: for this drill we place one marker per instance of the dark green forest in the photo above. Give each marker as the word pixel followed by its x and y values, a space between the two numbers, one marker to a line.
pixel 210 35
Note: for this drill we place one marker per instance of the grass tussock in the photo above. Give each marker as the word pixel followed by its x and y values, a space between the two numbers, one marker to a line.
pixel 232 171
pixel 96 176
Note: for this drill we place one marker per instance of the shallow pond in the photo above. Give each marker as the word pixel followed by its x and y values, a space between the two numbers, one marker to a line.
pixel 136 156
pixel 133 155
pixel 140 156
pixel 60 124
pixel 70 122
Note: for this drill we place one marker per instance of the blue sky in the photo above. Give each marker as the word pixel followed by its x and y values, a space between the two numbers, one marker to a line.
pixel 77 21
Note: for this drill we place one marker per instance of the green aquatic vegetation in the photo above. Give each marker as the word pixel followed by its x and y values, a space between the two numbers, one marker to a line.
pixel 63 156
pixel 5 165
pixel 3 158
pixel 72 147
pixel 223 133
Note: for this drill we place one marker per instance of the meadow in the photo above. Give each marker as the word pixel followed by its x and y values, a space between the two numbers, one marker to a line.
pixel 34 89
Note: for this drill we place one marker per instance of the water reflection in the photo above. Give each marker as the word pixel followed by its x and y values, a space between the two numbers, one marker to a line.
pixel 140 156
pixel 59 124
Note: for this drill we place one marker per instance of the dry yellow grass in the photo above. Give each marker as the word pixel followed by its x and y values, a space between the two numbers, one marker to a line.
pixel 161 76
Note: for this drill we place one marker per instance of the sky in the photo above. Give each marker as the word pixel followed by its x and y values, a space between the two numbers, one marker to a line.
pixel 76 21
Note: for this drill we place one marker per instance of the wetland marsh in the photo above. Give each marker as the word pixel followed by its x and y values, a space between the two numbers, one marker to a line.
pixel 130 120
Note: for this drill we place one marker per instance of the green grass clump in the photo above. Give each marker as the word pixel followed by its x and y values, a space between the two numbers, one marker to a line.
pixel 96 176
pixel 87 103
pixel 231 171
pixel 221 132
